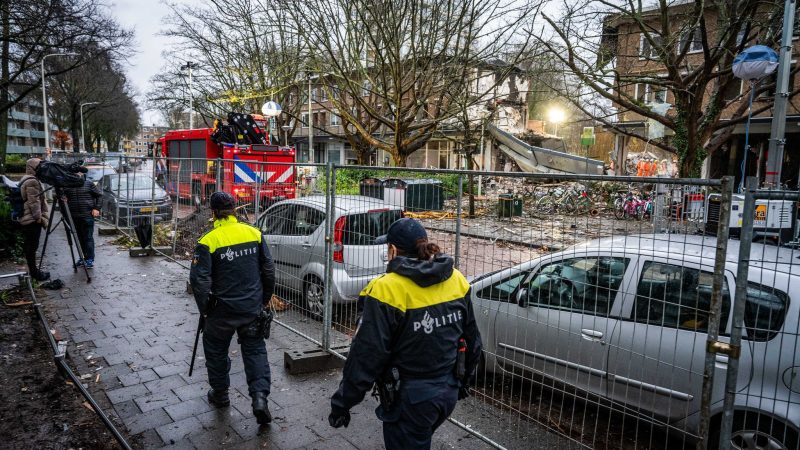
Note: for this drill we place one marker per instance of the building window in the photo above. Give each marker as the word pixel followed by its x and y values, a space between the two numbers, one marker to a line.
pixel 648 51
pixel 696 43
pixel 650 94
pixel 335 119
pixel 304 119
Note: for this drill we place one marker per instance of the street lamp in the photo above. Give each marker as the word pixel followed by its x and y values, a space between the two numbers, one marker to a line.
pixel 83 133
pixel 310 124
pixel 286 129
pixel 189 66
pixel 556 115
pixel 44 104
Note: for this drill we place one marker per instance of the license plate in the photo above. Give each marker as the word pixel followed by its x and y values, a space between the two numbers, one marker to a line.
pixel 148 209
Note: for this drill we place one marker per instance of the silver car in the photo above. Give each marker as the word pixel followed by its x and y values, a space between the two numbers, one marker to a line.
pixel 626 319
pixel 295 231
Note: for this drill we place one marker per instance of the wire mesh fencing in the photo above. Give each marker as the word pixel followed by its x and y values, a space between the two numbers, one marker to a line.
pixel 605 304
pixel 761 406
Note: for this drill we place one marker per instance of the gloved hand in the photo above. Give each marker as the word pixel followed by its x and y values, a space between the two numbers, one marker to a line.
pixel 463 392
pixel 339 417
pixel 44 222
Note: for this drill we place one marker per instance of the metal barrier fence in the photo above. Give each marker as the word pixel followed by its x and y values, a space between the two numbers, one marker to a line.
pixel 762 392
pixel 604 303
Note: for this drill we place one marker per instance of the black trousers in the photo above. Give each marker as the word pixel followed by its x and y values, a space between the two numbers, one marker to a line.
pixel 217 340
pixel 424 405
pixel 84 228
pixel 30 243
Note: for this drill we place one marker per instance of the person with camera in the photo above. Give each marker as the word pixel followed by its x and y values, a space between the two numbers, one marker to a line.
pixel 417 341
pixel 233 279
pixel 34 217
pixel 84 206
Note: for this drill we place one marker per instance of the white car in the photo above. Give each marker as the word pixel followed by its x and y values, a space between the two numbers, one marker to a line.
pixel 295 231
pixel 626 319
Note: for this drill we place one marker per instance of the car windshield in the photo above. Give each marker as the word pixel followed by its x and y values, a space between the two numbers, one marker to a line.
pixel 362 229
pixel 95 173
pixel 131 183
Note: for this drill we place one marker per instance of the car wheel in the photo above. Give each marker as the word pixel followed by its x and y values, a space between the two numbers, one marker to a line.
pixel 753 431
pixel 313 297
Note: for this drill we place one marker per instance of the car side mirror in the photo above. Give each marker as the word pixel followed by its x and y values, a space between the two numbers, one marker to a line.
pixel 522 297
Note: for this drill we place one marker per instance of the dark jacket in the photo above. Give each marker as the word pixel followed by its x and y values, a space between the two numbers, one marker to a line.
pixel 233 262
pixel 412 319
pixel 82 200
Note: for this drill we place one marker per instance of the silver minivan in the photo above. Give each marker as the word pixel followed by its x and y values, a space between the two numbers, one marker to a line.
pixel 295 231
pixel 626 319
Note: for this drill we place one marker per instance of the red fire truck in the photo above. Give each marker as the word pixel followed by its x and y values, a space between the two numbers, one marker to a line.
pixel 250 171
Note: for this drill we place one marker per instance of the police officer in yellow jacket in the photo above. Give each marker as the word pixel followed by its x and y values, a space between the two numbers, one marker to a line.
pixel 417 341
pixel 233 278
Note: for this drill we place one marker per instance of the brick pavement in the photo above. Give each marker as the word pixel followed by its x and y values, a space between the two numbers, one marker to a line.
pixel 134 325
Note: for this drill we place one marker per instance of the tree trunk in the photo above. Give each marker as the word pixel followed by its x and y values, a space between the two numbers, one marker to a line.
pixel 4 75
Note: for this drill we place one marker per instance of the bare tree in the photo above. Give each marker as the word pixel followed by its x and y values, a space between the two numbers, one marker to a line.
pixel 102 82
pixel 245 57
pixel 630 57
pixel 32 29
pixel 401 64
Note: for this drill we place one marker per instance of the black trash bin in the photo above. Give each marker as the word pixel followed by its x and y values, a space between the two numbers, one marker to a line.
pixel 417 194
pixel 509 205
pixel 371 187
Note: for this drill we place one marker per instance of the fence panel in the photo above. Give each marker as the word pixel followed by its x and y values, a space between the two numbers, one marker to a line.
pixel 593 297
pixel 762 392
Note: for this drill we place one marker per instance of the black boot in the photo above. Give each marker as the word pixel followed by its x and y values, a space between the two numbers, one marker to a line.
pixel 218 398
pixel 41 275
pixel 261 408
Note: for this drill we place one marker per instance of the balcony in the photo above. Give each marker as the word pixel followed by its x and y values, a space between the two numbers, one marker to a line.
pixel 37 134
pixel 19 132
pixel 19 115
pixel 24 149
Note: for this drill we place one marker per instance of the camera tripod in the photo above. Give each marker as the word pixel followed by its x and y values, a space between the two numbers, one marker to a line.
pixel 69 228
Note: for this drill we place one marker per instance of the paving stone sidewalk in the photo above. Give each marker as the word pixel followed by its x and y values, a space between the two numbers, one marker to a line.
pixel 134 326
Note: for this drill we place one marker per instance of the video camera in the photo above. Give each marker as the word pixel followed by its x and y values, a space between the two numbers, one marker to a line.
pixel 61 175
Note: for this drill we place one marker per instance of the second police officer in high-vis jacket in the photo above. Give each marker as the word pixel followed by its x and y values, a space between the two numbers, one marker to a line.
pixel 417 341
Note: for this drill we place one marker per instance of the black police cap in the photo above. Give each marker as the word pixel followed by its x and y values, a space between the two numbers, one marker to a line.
pixel 222 200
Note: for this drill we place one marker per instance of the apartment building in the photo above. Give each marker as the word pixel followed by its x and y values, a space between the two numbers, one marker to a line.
pixel 139 145
pixel 636 57
pixel 26 128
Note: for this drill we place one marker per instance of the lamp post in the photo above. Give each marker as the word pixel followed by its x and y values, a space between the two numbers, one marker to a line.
pixel 286 129
pixel 83 133
pixel 753 64
pixel 310 124
pixel 189 66
pixel 44 104
pixel 555 115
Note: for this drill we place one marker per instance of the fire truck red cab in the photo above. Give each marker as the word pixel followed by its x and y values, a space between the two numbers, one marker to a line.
pixel 248 171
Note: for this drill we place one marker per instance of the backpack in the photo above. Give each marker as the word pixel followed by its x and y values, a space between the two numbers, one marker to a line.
pixel 14 198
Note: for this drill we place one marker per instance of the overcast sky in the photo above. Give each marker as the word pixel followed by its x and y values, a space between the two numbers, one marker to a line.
pixel 144 17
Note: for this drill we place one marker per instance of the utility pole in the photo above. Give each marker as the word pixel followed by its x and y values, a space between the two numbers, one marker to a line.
pixel 310 124
pixel 777 138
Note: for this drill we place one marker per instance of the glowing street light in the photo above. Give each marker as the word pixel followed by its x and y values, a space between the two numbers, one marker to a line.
pixel 556 115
